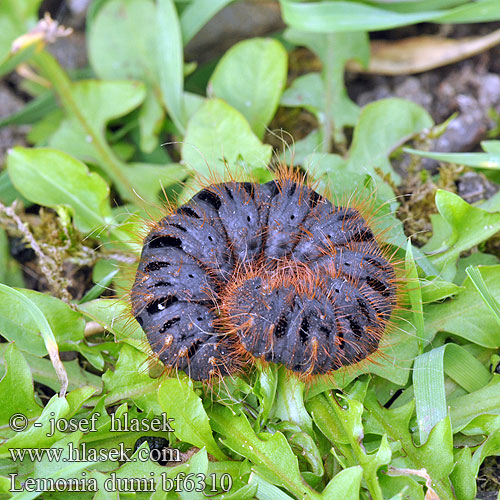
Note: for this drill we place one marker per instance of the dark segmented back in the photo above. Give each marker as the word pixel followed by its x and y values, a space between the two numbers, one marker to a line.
pixel 272 271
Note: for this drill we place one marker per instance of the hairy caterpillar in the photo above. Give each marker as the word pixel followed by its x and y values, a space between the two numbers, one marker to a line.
pixel 273 271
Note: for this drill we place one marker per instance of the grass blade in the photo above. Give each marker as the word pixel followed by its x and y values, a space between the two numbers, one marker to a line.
pixel 45 331
pixel 428 384
pixel 415 295
pixel 477 280
pixel 170 62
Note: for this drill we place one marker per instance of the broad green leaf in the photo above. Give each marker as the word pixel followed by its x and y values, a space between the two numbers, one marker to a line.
pixel 52 178
pixel 130 380
pixel 149 179
pixel 219 140
pixel 436 455
pixel 88 106
pixel 265 389
pixel 198 466
pixel 428 382
pixel 65 467
pixel 336 110
pixel 468 225
pixel 114 316
pixel 151 117
pixel 307 91
pixel 271 454
pixel 474 259
pixel 170 61
pixel 121 41
pixel 467 315
pixel 378 133
pixel 43 372
pixel 121 44
pixel 251 77
pixel 435 289
pixel 16 18
pixel 39 436
pixel 16 322
pixel 16 387
pixel 345 484
pixel 414 294
pixel 191 423
pixel 36 318
pixel 463 475
pixel 265 490
pixel 196 14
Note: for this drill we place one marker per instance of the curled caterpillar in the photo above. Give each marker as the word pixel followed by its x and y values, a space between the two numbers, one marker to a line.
pixel 272 271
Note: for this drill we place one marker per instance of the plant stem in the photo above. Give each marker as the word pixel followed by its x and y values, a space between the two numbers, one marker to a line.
pixel 51 69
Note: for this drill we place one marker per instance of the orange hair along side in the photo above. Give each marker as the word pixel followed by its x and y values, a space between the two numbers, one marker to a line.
pixel 275 272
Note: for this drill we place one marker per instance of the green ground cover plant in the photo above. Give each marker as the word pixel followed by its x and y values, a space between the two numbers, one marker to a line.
pixel 108 142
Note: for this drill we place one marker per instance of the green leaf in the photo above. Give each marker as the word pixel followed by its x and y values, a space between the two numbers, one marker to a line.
pixel 271 454
pixel 52 178
pixel 113 316
pixel 436 455
pixel 251 77
pixel 467 315
pixel 191 423
pixel 151 117
pixel 94 104
pixel 483 11
pixel 10 270
pixel 43 372
pixel 334 109
pixel 428 382
pixel 265 490
pixel 16 322
pixel 435 289
pixel 478 160
pixel 16 17
pixel 324 17
pixel 40 323
pixel 345 484
pixel 463 475
pixel 16 387
pixel 289 405
pixel 130 380
pixel 219 140
pixel 377 134
pixel 415 295
pixel 89 105
pixel 468 226
pixel 121 42
pixel 486 400
pixel 477 280
pixel 196 14
pixel 39 436
pixel 170 61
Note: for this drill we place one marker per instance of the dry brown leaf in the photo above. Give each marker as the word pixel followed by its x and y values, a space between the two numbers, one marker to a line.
pixel 421 53
pixel 430 494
